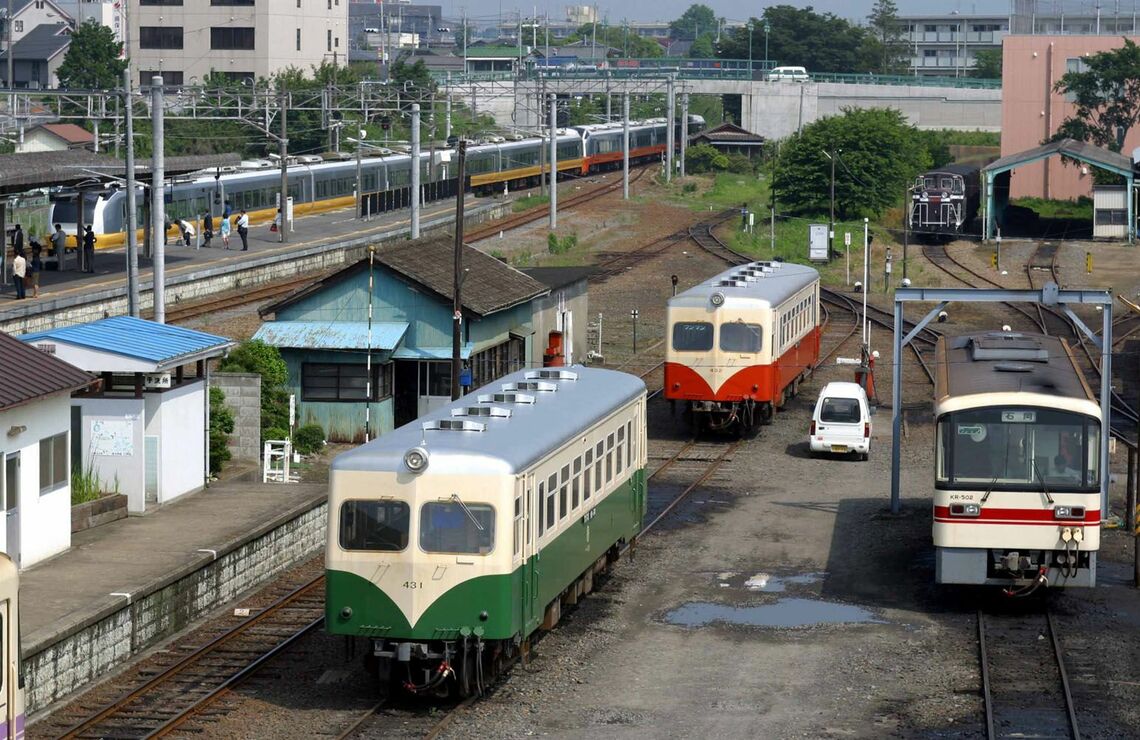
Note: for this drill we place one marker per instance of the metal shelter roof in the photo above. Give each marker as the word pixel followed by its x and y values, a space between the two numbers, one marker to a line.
pixel 1079 150
pixel 348 335
pixel 161 345
pixel 21 172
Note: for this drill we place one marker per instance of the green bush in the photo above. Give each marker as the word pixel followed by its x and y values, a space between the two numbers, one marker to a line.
pixel 255 356
pixel 308 439
pixel 221 426
pixel 274 433
pixel 704 158
pixel 740 164
pixel 562 245
pixel 689 187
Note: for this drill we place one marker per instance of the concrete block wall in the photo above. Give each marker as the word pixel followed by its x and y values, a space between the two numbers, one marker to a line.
pixel 208 281
pixel 243 397
pixel 63 664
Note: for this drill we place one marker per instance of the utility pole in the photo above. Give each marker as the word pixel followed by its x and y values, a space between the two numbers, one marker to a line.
pixel 11 83
pixel 157 204
pixel 359 175
pixel 670 130
pixel 132 206
pixel 906 227
pixel 457 275
pixel 553 161
pixel 831 218
pixel 684 129
pixel 447 119
pixel 415 170
pixel 283 147
pixel 465 42
pixel 625 146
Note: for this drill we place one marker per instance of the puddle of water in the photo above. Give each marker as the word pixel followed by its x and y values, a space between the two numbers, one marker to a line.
pixel 783 613
pixel 778 584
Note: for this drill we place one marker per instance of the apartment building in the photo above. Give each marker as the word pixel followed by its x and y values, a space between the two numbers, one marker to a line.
pixel 947 45
pixel 186 40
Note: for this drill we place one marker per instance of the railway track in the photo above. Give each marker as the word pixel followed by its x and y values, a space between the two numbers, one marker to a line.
pixel 516 220
pixel 1025 687
pixel 175 698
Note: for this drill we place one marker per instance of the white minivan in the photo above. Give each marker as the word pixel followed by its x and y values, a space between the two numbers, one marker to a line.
pixel 842 421
pixel 788 74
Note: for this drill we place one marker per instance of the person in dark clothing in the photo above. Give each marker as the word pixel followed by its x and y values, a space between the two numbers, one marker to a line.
pixel 227 210
pixel 89 249
pixel 207 229
pixel 18 239
pixel 243 230
pixel 36 266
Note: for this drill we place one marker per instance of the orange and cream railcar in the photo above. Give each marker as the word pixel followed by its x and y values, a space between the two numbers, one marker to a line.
pixel 741 342
pixel 1017 480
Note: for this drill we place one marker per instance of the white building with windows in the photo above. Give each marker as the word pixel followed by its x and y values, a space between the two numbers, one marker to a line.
pixel 186 40
pixel 947 45
pixel 35 418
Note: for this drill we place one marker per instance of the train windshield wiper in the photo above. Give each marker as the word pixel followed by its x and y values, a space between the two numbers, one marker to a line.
pixel 989 490
pixel 1044 487
pixel 456 499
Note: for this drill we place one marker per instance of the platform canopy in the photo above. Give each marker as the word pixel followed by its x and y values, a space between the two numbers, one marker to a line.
pixel 29 171
pixel 1082 151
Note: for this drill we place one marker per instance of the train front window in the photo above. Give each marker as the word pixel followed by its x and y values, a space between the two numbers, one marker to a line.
pixel 692 336
pixel 374 525
pixel 457 527
pixel 959 187
pixel 1018 449
pixel 736 336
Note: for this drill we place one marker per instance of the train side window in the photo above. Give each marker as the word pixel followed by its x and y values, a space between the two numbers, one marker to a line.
pixel 599 452
pixel 518 524
pixel 563 491
pixel 692 336
pixel 620 449
pixel 586 478
pixel 737 336
pixel 454 527
pixel 629 444
pixel 541 505
pixel 609 458
pixel 380 526
pixel 576 485
pixel 551 490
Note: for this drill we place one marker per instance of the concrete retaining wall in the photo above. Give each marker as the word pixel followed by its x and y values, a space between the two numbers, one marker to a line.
pixel 122 629
pixel 200 284
pixel 243 397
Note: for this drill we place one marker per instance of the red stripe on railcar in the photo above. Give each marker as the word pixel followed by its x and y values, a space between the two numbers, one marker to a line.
pixel 597 159
pixel 757 382
pixel 990 515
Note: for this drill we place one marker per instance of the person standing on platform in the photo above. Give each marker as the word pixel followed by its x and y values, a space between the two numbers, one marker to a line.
pixel 243 230
pixel 227 210
pixel 36 267
pixel 18 239
pixel 19 271
pixel 59 243
pixel 207 229
pixel 226 232
pixel 89 249
pixel 187 230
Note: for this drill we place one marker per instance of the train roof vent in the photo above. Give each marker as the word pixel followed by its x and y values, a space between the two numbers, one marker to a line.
pixel 730 284
pixel 531 385
pixel 1013 367
pixel 767 265
pixel 745 277
pixel 524 398
pixel 496 412
pixel 552 374
pixel 1008 346
pixel 454 425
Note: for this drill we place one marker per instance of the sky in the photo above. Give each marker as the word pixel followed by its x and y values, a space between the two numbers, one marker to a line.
pixel 667 10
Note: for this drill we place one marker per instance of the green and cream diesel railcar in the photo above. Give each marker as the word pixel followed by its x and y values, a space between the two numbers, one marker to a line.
pixel 454 538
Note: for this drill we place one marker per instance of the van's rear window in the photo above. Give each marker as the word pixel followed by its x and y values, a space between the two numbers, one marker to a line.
pixel 840 411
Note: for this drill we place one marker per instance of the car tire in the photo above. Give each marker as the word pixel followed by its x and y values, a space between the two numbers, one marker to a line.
pixel 865 456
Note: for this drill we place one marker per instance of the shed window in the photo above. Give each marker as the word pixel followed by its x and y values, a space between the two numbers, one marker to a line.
pixel 53 463
pixel 343 381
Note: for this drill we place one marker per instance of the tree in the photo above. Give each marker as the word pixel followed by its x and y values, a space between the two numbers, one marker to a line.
pixel 877 154
pixel 693 22
pixel 1106 95
pixel 255 356
pixel 221 427
pixel 987 64
pixel 885 41
pixel 92 61
pixel 417 76
pixel 618 37
pixel 705 158
pixel 704 47
pixel 802 37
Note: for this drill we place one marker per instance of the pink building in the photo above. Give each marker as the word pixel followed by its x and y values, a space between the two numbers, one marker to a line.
pixel 1032 112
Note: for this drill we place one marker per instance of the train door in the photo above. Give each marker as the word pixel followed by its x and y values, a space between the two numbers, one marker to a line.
pixel 531 609
pixel 11 505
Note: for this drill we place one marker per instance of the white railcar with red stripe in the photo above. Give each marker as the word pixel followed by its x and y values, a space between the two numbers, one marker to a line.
pixel 1017 463
pixel 741 342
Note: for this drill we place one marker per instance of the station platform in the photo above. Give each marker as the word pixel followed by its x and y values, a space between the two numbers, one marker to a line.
pixel 329 228
pixel 128 584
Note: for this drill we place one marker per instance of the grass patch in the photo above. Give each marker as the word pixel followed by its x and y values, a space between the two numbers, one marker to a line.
pixel 1081 208
pixel 720 191
pixel 87 486
pixel 527 202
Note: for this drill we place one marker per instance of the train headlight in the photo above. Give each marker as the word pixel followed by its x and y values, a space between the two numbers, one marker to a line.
pixel 717 298
pixel 971 510
pixel 1069 512
pixel 416 459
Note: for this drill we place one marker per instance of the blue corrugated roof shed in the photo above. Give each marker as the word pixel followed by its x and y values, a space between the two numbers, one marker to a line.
pixel 140 339
pixel 386 335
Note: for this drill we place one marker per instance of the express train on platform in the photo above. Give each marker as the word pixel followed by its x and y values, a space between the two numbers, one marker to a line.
pixel 944 202
pixel 317 186
pixel 454 538
pixel 1018 454
pixel 740 343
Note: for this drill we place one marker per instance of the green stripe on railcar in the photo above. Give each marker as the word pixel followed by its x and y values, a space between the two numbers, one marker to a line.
pixel 618 516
